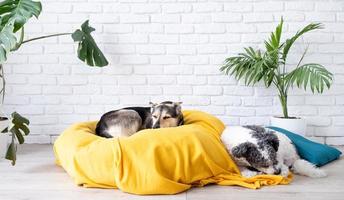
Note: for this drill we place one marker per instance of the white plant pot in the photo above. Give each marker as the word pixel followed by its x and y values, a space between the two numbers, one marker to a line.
pixel 295 125
pixel 3 138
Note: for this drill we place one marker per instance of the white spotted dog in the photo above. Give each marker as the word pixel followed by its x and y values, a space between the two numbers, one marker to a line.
pixel 257 150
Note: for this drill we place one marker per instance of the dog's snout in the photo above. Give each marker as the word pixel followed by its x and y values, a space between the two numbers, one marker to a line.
pixel 156 125
pixel 277 171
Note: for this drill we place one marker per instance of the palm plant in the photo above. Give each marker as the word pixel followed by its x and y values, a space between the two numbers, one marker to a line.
pixel 14 14
pixel 269 66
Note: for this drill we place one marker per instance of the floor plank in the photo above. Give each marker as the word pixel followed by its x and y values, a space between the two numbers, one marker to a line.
pixel 37 177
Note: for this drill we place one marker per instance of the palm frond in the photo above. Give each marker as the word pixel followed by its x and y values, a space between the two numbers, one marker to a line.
pixel 289 42
pixel 251 65
pixel 274 41
pixel 312 74
pixel 273 45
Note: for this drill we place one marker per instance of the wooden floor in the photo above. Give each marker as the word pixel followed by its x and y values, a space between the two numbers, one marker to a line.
pixel 37 177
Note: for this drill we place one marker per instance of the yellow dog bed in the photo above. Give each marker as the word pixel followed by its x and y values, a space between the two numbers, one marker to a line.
pixel 154 161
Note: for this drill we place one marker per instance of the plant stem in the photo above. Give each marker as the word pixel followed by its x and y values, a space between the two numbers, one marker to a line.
pixel 12 157
pixel 45 36
pixel 2 91
pixel 284 103
pixel 20 42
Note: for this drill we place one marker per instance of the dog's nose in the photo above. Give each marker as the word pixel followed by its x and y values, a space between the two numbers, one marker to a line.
pixel 277 171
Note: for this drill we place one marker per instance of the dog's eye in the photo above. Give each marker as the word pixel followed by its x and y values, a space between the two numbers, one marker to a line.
pixel 166 117
pixel 154 116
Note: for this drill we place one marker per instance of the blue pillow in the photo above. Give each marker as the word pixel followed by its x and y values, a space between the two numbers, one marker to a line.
pixel 316 153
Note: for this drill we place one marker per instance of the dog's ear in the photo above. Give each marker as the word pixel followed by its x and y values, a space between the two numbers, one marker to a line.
pixel 237 152
pixel 177 106
pixel 240 150
pixel 177 103
pixel 272 139
pixel 152 104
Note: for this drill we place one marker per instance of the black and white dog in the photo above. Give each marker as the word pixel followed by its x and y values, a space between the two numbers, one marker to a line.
pixel 257 150
pixel 127 121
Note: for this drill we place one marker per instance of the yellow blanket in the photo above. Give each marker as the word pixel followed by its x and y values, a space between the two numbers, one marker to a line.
pixel 154 161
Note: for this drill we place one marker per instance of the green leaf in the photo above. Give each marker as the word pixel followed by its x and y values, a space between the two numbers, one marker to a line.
pixel 268 79
pixel 18 128
pixel 312 74
pixel 20 11
pixel 274 41
pixel 250 65
pixel 19 119
pixel 5 130
pixel 19 125
pixel 7 41
pixel 273 46
pixel 306 78
pixel 18 134
pixel 22 127
pixel 88 50
pixel 289 42
pixel 11 153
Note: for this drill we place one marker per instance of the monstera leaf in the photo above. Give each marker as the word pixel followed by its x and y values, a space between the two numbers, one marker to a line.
pixel 88 50
pixel 18 127
pixel 20 11
pixel 7 41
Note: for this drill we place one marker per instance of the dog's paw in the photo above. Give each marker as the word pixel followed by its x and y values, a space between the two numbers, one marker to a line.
pixel 318 173
pixel 248 173
pixel 284 171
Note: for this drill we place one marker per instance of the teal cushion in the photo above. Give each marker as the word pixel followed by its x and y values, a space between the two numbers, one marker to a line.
pixel 316 153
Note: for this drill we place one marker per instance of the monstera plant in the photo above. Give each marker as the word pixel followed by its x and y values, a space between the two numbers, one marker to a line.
pixel 270 67
pixel 14 14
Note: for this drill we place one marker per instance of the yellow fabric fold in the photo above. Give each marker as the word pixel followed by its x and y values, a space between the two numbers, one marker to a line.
pixel 154 161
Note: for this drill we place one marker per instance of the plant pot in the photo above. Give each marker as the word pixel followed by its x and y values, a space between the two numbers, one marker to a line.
pixel 3 136
pixel 295 125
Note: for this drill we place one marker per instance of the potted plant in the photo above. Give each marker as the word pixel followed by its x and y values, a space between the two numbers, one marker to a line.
pixel 269 66
pixel 13 16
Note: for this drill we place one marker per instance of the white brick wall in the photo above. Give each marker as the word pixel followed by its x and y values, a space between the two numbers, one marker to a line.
pixel 171 50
